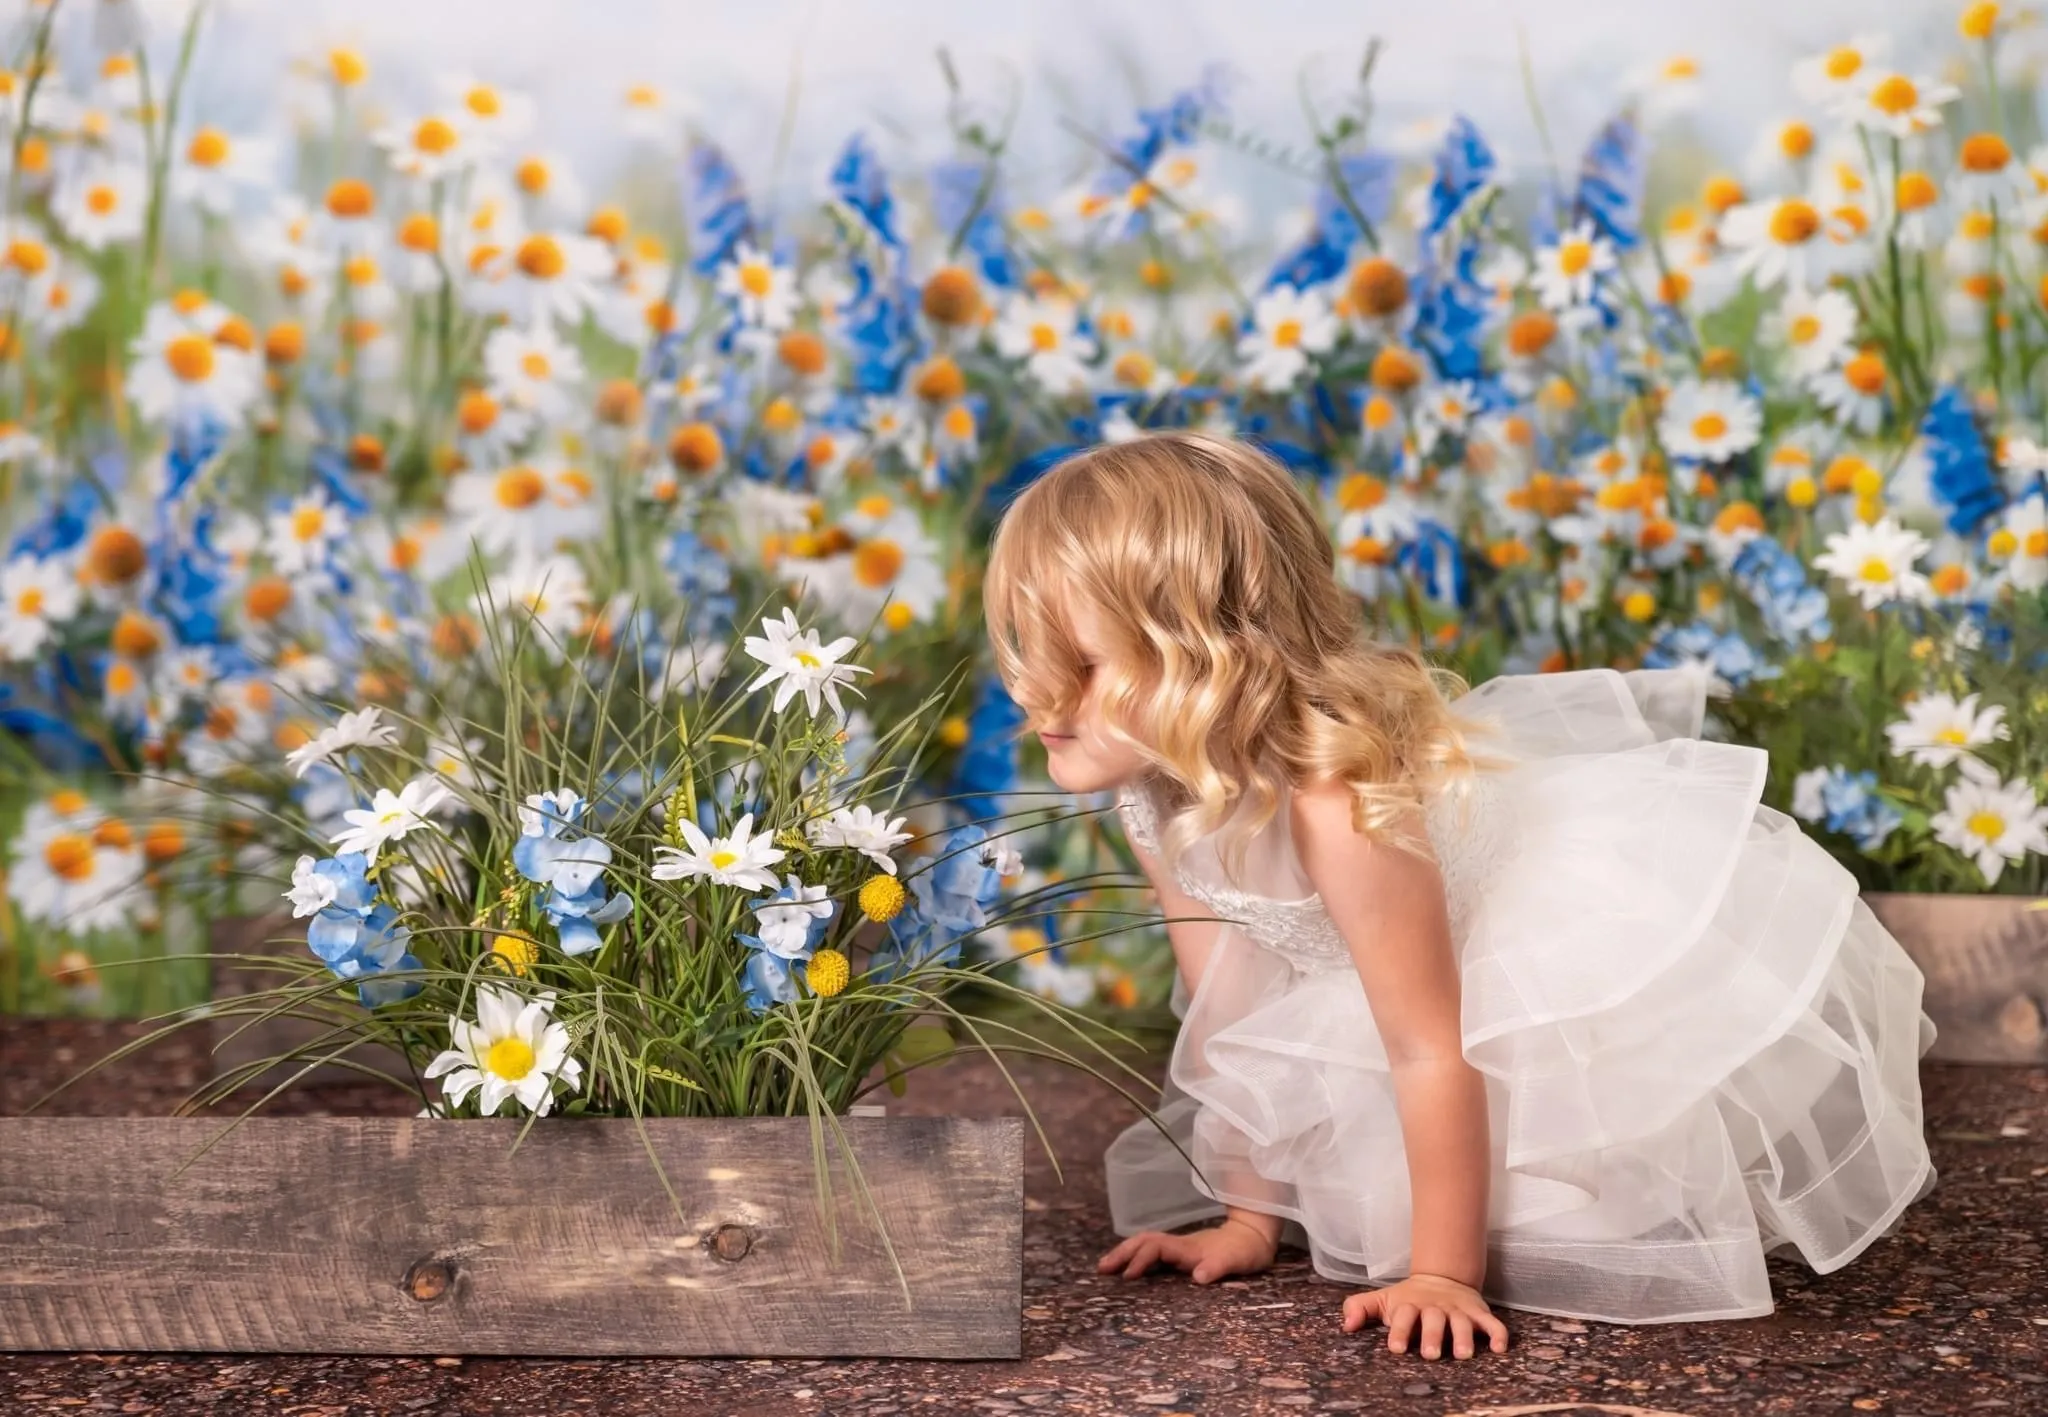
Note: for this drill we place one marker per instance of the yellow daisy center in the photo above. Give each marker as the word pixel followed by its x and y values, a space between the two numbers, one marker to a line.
pixel 1985 825
pixel 69 856
pixel 877 563
pixel 1044 337
pixel 757 279
pixel 1917 191
pixel 1574 256
pixel 1794 222
pixel 100 199
pixel 1843 63
pixel 540 258
pixel 1877 571
pixel 1709 426
pixel 519 487
pixel 1805 329
pixel 1894 94
pixel 1287 334
pixel 308 522
pixel 208 148
pixel 723 858
pixel 435 136
pixel 482 100
pixel 190 357
pixel 510 1058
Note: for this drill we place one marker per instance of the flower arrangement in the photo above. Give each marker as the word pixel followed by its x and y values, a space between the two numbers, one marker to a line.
pixel 1778 424
pixel 694 907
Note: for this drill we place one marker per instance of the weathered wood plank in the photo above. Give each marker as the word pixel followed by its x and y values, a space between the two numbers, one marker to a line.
pixel 240 1040
pixel 386 1235
pixel 1986 962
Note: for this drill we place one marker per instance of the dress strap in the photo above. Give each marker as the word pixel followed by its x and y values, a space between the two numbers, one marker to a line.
pixel 1140 817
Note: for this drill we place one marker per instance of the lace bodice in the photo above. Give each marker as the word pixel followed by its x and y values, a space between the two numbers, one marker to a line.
pixel 1471 842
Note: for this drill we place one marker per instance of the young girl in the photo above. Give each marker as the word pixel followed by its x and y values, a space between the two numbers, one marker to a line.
pixel 1524 997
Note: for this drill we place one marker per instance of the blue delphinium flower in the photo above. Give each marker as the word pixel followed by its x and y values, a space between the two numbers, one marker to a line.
pixel 1465 166
pixel 951 895
pixel 1610 193
pixel 1845 802
pixel 988 765
pixel 571 868
pixel 1960 473
pixel 1793 608
pixel 719 218
pixel 1732 660
pixel 350 930
pixel 858 182
pixel 969 195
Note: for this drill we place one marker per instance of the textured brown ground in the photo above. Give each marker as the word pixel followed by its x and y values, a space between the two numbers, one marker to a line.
pixel 1948 1315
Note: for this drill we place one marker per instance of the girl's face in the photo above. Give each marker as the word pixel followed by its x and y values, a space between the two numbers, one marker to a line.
pixel 1082 754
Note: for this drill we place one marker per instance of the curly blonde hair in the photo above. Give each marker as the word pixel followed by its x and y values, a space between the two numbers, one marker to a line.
pixel 1237 662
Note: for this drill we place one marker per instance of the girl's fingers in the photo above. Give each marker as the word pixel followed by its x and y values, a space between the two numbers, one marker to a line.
pixel 1147 1254
pixel 1432 1332
pixel 1360 1308
pixel 1496 1329
pixel 1400 1326
pixel 1461 1334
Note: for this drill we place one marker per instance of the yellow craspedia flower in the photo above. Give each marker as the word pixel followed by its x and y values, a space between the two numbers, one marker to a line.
pixel 828 971
pixel 509 952
pixel 1801 492
pixel 953 732
pixel 881 898
pixel 1639 606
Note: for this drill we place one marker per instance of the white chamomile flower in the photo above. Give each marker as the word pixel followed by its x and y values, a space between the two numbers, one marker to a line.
pixel 181 372
pixel 1044 333
pixel 515 1049
pixel 1938 729
pixel 546 277
pixel 1988 174
pixel 1854 392
pixel 1827 78
pixel 1992 823
pixel 36 596
pixel 495 113
pixel 763 291
pixel 1288 325
pixel 1773 242
pixel 1876 563
pixel 101 203
pixel 801 664
pixel 552 592
pixel 533 370
pixel 1569 269
pixel 430 147
pixel 741 859
pixel 1896 104
pixel 871 833
pixel 363 728
pixel 303 535
pixel 1816 327
pixel 389 817
pixel 218 169
pixel 1711 421
pixel 2022 544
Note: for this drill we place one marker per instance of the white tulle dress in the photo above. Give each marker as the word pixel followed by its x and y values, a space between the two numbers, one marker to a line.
pixel 1700 1045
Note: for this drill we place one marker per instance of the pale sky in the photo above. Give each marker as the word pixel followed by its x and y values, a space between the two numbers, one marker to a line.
pixel 870 63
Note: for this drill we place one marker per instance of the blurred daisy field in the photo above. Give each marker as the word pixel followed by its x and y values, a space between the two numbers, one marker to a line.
pixel 509 488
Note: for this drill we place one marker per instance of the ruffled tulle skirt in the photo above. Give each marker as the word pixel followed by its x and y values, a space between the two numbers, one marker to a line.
pixel 1699 1044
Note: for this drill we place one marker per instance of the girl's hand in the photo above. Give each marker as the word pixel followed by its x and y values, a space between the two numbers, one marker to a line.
pixel 1436 1301
pixel 1234 1247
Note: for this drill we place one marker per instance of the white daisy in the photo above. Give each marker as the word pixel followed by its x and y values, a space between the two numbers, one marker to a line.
pixel 79 880
pixel 36 596
pixel 1992 823
pixel 741 859
pixel 1288 325
pixel 217 170
pixel 2022 544
pixel 795 657
pixel 554 593
pixel 101 203
pixel 514 1049
pixel 1937 729
pixel 1854 392
pixel 763 291
pixel 360 729
pixel 457 761
pixel 1777 241
pixel 1569 269
pixel 1824 79
pixel 180 372
pixel 1876 563
pixel 1711 421
pixel 303 536
pixel 548 276
pixel 1043 333
pixel 493 112
pixel 691 668
pixel 863 829
pixel 1895 104
pixel 389 817
pixel 1989 175
pixel 528 507
pixel 533 370
pixel 1816 328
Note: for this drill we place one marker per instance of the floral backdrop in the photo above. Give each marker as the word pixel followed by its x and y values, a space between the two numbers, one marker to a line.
pixel 381 432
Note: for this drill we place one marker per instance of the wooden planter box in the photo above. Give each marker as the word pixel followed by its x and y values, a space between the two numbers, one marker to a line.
pixel 386 1235
pixel 279 936
pixel 1986 962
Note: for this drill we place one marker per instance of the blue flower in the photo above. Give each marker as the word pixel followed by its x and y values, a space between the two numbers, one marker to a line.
pixel 1368 179
pixel 1959 465
pixel 1776 581
pixel 966 208
pixel 717 208
pixel 989 763
pixel 1435 558
pixel 767 978
pixel 1731 659
pixel 351 932
pixel 877 324
pixel 571 868
pixel 1848 803
pixel 1450 314
pixel 1610 191
pixel 1465 166
pixel 857 179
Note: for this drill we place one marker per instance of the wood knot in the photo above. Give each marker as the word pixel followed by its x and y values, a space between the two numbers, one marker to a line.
pixel 428 1279
pixel 731 1242
pixel 2020 1020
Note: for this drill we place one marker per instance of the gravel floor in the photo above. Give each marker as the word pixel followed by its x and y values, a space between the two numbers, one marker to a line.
pixel 1948 1315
